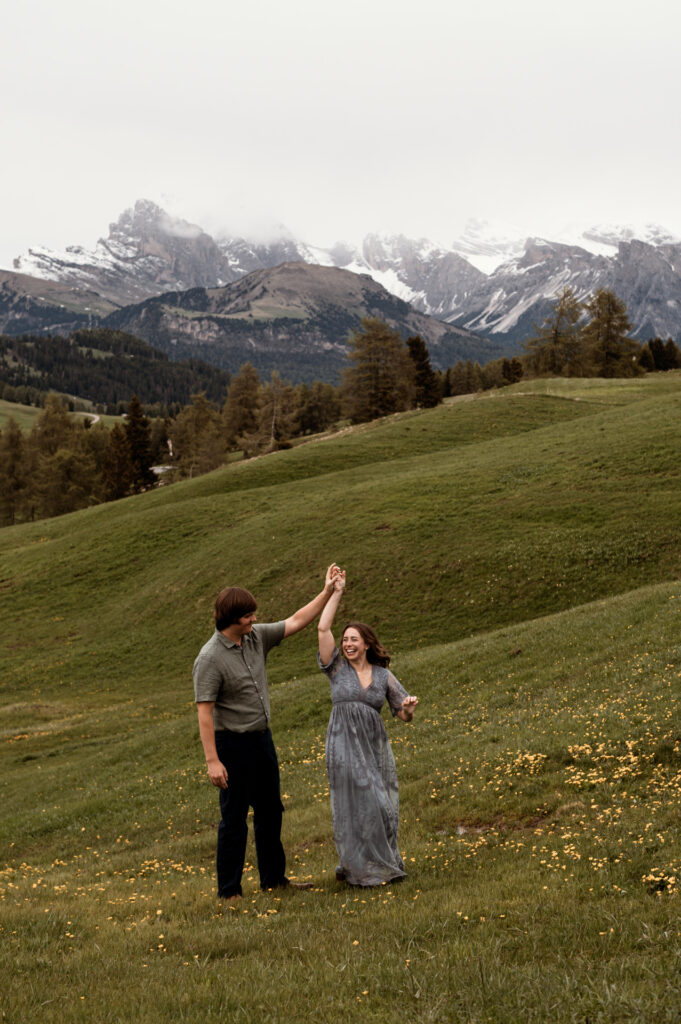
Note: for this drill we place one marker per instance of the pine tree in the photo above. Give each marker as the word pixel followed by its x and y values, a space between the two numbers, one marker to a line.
pixel 672 355
pixel 381 381
pixel 427 385
pixel 138 433
pixel 13 473
pixel 646 360
pixel 117 471
pixel 512 370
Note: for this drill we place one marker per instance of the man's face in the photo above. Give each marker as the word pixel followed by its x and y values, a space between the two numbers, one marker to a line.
pixel 245 623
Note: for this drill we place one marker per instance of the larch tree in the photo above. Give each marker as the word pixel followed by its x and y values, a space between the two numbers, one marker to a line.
pixel 380 380
pixel 240 412
pixel 605 337
pixel 557 346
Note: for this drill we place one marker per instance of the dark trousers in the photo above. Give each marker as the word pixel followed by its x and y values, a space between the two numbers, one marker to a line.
pixel 253 781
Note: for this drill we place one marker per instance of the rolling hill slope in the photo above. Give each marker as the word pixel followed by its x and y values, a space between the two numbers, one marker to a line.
pixel 520 555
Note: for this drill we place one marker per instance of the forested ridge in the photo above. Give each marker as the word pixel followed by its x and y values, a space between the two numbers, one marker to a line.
pixel 105 367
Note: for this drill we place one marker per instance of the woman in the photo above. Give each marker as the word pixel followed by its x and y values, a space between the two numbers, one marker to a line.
pixel 359 760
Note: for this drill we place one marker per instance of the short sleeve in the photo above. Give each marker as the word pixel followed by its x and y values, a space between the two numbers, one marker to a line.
pixel 330 667
pixel 207 679
pixel 396 693
pixel 270 634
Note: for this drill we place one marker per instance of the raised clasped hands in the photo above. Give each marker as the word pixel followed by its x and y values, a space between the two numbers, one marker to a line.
pixel 335 577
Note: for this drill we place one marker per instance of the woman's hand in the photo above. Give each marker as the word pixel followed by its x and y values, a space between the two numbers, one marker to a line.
pixel 406 712
pixel 339 580
pixel 331 575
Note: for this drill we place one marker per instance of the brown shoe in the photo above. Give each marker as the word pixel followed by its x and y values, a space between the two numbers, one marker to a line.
pixel 301 885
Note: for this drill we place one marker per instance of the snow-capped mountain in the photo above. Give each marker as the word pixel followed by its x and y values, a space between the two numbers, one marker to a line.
pixel 147 252
pixel 520 292
pixel 491 279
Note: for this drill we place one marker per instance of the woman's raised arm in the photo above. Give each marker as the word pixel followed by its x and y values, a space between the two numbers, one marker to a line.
pixel 326 641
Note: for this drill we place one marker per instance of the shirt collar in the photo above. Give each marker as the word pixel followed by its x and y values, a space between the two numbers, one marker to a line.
pixel 230 643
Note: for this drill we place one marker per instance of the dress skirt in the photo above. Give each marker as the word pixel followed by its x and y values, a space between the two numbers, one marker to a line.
pixel 364 794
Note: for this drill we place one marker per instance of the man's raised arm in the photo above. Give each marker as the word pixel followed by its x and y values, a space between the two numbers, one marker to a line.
pixel 305 615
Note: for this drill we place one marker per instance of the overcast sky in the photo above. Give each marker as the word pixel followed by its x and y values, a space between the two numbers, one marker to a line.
pixel 337 119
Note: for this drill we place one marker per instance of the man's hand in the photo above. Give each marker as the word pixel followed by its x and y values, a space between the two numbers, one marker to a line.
pixel 331 575
pixel 217 773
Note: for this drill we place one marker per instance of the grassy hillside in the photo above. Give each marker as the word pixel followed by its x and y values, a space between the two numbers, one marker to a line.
pixel 520 555
pixel 26 415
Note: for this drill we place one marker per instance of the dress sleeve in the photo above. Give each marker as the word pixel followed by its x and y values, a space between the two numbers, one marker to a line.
pixel 331 666
pixel 396 693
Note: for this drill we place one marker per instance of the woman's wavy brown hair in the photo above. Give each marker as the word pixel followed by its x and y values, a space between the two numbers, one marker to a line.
pixel 376 654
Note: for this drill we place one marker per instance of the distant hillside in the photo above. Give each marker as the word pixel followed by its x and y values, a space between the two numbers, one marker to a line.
pixel 294 318
pixel 106 367
pixel 31 305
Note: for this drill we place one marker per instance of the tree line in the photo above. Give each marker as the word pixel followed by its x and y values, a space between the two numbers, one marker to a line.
pixel 63 465
pixel 575 339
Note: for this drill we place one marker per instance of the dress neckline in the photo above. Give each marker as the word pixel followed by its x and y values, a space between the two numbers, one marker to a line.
pixel 371 681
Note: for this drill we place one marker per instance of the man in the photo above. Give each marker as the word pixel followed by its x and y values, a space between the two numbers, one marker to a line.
pixel 232 698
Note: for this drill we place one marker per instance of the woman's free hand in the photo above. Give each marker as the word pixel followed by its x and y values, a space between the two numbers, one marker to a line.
pixel 406 712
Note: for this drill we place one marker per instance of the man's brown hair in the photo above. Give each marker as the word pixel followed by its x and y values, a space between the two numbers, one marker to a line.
pixel 232 604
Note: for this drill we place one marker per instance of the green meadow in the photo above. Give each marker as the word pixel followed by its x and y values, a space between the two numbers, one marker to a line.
pixel 26 415
pixel 520 554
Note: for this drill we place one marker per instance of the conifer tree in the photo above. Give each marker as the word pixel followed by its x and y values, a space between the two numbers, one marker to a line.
pixel 457 379
pixel 13 473
pixel 138 433
pixel 512 370
pixel 240 412
pixel 317 407
pixel 381 379
pixel 54 427
pixel 672 354
pixel 557 346
pixel 277 413
pixel 117 472
pixel 611 352
pixel 474 379
pixel 197 438
pixel 427 386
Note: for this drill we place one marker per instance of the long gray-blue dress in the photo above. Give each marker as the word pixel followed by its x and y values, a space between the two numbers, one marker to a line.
pixel 362 774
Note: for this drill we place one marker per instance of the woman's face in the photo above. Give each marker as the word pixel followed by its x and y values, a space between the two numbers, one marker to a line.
pixel 353 644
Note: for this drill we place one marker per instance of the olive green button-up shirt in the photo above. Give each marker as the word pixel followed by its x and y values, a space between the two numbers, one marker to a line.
pixel 234 677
